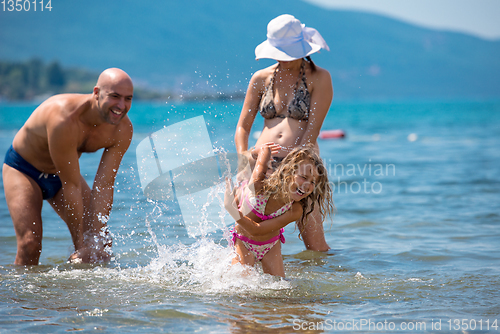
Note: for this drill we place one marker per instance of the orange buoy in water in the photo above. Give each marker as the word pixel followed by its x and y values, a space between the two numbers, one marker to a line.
pixel 332 134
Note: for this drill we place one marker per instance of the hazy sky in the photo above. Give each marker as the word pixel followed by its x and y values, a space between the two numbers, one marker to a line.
pixel 477 17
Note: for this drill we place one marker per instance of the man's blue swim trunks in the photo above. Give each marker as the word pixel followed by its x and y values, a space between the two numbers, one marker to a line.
pixel 49 183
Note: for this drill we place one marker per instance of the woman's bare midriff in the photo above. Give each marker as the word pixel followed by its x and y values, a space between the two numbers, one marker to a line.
pixel 287 132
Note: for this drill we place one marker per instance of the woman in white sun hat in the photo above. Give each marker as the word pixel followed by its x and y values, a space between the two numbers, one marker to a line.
pixel 293 96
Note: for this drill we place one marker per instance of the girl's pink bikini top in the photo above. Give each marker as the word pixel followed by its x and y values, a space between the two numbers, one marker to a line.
pixel 258 205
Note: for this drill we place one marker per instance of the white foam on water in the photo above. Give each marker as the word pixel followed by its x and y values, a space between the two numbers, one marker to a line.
pixel 205 267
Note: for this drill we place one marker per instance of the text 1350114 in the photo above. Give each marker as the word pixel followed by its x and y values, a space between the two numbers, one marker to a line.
pixel 26 5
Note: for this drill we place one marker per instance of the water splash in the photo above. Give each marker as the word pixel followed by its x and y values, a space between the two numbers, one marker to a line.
pixel 204 266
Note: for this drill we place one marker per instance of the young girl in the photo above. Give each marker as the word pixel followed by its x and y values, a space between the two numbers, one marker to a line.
pixel 266 205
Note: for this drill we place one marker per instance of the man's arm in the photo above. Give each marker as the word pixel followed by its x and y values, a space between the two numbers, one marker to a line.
pixel 62 136
pixel 101 200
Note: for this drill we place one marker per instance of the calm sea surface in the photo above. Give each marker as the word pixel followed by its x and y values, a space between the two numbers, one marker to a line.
pixel 415 240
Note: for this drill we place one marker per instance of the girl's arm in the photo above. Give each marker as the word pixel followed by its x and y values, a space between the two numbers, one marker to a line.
pixel 273 224
pixel 261 165
pixel 265 151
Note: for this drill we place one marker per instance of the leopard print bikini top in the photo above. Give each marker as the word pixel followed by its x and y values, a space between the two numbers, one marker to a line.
pixel 299 106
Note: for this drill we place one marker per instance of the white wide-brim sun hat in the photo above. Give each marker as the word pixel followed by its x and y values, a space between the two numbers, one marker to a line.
pixel 288 39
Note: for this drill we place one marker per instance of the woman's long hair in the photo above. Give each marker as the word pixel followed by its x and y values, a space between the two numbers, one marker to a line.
pixel 313 65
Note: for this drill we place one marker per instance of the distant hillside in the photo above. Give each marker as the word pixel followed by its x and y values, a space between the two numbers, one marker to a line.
pixel 207 47
pixel 34 80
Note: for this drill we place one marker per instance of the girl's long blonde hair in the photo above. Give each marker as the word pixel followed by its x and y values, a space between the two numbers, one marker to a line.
pixel 279 182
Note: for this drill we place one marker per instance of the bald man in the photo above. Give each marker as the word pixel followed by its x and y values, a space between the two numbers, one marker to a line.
pixel 43 164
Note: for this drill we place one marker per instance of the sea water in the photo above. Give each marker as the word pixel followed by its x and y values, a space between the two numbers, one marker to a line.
pixel 415 239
